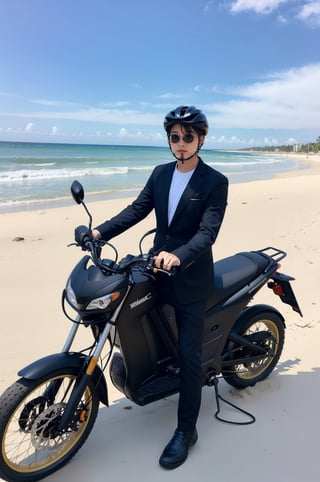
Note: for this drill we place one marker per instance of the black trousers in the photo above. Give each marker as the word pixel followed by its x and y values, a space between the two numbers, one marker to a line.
pixel 190 319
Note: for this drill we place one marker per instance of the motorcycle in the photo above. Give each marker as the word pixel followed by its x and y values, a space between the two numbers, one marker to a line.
pixel 48 413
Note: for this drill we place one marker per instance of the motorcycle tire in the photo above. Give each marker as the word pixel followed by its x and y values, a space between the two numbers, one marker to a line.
pixel 31 446
pixel 248 374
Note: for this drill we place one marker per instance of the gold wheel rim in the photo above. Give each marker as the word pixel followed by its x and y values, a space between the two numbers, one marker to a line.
pixel 255 369
pixel 18 448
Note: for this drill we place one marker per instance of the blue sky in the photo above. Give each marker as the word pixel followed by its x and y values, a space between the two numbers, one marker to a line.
pixel 107 71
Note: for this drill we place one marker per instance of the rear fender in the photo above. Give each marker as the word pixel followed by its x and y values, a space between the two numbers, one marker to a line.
pixel 51 363
pixel 255 310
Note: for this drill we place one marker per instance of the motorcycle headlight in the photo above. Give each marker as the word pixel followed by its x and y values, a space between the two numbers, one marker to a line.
pixel 102 302
pixel 71 297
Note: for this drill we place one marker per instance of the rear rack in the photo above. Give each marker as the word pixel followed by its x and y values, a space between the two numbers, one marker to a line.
pixel 274 253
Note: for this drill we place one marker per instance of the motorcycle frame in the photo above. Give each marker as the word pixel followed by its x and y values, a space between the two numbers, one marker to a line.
pixel 148 340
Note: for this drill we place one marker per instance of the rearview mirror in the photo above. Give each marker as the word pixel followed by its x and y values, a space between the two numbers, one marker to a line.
pixel 77 192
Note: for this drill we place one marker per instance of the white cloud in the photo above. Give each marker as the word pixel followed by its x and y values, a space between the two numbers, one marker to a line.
pixel 53 103
pixel 158 136
pixel 285 100
pixel 169 95
pixel 111 116
pixel 29 127
pixel 310 13
pixel 54 131
pixel 120 103
pixel 282 19
pixel 123 132
pixel 258 6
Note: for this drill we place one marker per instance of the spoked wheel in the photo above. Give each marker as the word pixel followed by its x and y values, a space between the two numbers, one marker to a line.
pixel 265 330
pixel 32 447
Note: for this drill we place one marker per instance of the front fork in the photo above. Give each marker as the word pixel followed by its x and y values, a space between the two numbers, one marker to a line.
pixel 82 380
pixel 92 361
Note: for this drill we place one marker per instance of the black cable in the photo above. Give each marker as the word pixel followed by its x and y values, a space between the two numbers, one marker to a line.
pixel 219 397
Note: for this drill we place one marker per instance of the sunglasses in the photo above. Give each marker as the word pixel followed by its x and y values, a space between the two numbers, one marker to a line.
pixel 187 138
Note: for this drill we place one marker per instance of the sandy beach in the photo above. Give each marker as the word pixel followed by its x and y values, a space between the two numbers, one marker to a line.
pixel 127 440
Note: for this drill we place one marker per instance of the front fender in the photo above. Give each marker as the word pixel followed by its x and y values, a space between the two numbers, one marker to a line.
pixel 52 363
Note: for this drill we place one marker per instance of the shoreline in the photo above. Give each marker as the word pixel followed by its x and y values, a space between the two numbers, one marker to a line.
pixel 67 201
pixel 310 163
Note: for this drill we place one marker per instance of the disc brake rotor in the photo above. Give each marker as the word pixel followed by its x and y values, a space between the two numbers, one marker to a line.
pixel 43 431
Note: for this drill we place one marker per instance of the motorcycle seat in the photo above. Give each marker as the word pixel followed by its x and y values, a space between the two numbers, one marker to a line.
pixel 233 273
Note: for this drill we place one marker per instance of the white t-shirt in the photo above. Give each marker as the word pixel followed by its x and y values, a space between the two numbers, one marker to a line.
pixel 178 185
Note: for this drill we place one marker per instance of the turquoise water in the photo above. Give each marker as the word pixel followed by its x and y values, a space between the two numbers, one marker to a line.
pixel 34 175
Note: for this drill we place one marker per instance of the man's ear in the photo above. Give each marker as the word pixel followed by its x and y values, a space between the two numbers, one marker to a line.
pixel 201 141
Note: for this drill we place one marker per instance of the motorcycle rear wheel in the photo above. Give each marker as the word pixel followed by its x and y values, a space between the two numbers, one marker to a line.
pixel 248 374
pixel 31 446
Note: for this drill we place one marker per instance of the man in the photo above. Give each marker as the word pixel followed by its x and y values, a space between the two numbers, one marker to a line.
pixel 189 199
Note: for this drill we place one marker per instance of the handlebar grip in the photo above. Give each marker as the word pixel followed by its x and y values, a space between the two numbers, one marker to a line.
pixel 83 236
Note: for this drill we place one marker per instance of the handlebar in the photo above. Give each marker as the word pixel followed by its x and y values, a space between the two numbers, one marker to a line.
pixel 94 246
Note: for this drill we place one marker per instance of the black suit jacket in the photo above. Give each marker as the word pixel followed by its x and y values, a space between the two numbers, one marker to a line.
pixel 192 231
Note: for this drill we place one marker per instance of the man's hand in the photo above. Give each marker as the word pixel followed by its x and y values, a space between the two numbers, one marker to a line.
pixel 82 235
pixel 96 234
pixel 166 260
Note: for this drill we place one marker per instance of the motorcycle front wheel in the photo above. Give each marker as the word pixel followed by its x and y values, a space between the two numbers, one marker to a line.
pixel 266 330
pixel 32 447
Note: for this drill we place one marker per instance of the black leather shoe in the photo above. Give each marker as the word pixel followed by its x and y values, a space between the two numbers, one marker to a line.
pixel 176 452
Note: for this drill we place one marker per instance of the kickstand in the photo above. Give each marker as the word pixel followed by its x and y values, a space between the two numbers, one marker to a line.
pixel 252 419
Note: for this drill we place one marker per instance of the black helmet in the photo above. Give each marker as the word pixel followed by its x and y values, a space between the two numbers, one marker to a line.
pixel 187 116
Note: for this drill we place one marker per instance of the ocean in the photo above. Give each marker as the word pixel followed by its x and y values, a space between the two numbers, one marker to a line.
pixel 38 175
